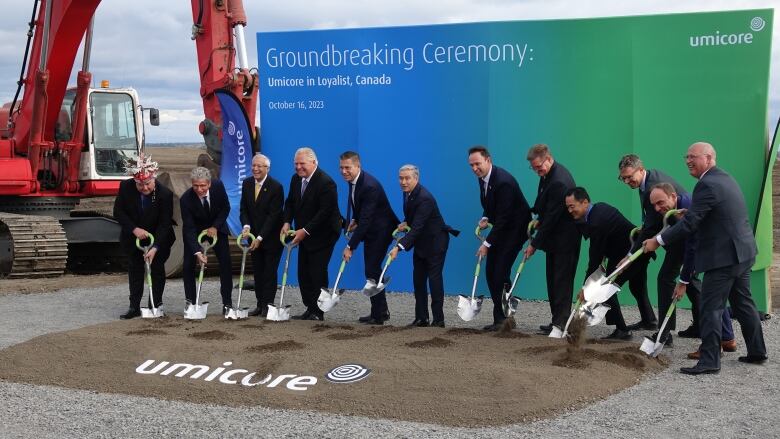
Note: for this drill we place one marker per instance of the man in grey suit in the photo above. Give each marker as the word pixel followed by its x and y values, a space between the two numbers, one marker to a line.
pixel 725 253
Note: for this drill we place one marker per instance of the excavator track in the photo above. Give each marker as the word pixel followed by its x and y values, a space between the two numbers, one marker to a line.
pixel 31 246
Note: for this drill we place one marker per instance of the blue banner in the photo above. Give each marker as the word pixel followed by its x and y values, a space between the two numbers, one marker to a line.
pixel 236 153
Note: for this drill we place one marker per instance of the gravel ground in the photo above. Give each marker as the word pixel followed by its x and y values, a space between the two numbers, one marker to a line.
pixel 740 402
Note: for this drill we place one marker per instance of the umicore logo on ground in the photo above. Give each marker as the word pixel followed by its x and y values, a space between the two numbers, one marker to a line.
pixel 724 39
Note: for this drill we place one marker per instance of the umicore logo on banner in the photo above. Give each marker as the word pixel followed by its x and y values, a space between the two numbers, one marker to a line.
pixel 723 39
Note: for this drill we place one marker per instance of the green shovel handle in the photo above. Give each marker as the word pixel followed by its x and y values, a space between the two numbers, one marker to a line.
pixel 240 240
pixel 532 227
pixel 283 237
pixel 205 244
pixel 398 232
pixel 146 247
pixel 668 215
pixel 341 267
pixel 478 231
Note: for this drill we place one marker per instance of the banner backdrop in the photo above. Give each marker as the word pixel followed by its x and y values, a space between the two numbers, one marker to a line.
pixel 592 89
pixel 236 154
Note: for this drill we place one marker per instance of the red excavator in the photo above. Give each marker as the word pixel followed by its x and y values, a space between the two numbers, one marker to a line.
pixel 60 145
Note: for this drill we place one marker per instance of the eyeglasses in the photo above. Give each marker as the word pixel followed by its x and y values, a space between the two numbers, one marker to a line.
pixel 693 156
pixel 627 178
pixel 539 166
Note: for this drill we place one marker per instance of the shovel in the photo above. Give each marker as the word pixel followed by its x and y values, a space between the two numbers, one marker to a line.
pixel 154 312
pixel 594 278
pixel 282 312
pixel 329 299
pixel 654 347
pixel 372 288
pixel 197 311
pixel 239 313
pixel 469 307
pixel 509 302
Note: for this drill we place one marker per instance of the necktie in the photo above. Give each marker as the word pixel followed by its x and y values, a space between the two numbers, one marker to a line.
pixel 406 196
pixel 484 188
pixel 206 204
pixel 257 189
pixel 144 202
pixel 304 183
pixel 350 202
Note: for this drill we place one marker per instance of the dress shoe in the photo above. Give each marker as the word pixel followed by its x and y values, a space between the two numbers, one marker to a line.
pixel 305 316
pixel 254 312
pixel 438 323
pixel 130 314
pixel 698 370
pixel 375 322
pixel 547 328
pixel 643 325
pixel 729 345
pixel 668 341
pixel 618 334
pixel 420 323
pixel 494 327
pixel 696 355
pixel 317 316
pixel 753 359
pixel 365 319
pixel 690 332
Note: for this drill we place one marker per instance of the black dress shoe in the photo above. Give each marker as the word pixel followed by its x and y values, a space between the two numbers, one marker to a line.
pixel 255 311
pixel 305 316
pixel 753 359
pixel 492 328
pixel 547 328
pixel 438 323
pixel 698 370
pixel 317 316
pixel 420 323
pixel 690 332
pixel 386 316
pixel 643 325
pixel 365 319
pixel 375 322
pixel 130 314
pixel 618 334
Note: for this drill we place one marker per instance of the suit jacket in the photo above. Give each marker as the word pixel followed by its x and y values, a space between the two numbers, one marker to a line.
pixel 719 215
pixel 317 211
pixel 196 219
pixel 428 234
pixel 689 245
pixel 505 207
pixel 375 218
pixel 264 215
pixel 608 231
pixel 652 221
pixel 157 218
pixel 556 232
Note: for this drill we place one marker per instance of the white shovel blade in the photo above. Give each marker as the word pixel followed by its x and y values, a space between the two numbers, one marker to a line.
pixel 650 347
pixel 242 313
pixel 152 313
pixel 511 306
pixel 196 312
pixel 597 293
pixel 597 277
pixel 556 333
pixel 369 289
pixel 467 308
pixel 596 315
pixel 231 314
pixel 326 301
pixel 381 286
pixel 281 314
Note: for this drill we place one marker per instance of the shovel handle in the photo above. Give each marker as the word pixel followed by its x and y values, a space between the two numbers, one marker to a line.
pixel 240 239
pixel 532 225
pixel 668 215
pixel 283 237
pixel 669 313
pixel 397 232
pixel 478 231
pixel 144 248
pixel 571 316
pixel 204 244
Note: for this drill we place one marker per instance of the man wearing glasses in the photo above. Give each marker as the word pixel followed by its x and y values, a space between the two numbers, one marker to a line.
pixel 635 176
pixel 556 233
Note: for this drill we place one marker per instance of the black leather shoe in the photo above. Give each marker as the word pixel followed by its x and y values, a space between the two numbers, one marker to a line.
pixel 130 314
pixel 698 370
pixel 643 325
pixel 375 322
pixel 668 341
pixel 386 316
pixel 365 319
pixel 753 359
pixel 690 332
pixel 618 334
pixel 492 328
pixel 420 323
pixel 318 316
pixel 438 323
pixel 305 316
pixel 255 311
pixel 547 328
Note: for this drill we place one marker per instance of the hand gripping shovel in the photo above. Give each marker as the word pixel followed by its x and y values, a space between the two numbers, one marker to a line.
pixel 153 312
pixel 509 302
pixel 329 299
pixel 239 313
pixel 281 313
pixel 469 307
pixel 654 347
pixel 372 288
pixel 197 310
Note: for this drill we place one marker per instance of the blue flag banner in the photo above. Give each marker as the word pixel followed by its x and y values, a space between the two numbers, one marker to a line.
pixel 236 153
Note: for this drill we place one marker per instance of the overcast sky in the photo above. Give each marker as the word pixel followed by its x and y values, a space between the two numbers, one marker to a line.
pixel 146 44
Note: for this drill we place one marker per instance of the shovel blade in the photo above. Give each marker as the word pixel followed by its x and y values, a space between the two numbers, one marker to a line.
pixel 598 293
pixel 651 347
pixel 326 301
pixel 511 307
pixel 280 314
pixel 467 308
pixel 369 289
pixel 237 314
pixel 152 313
pixel 196 312
pixel 381 285
pixel 596 314
pixel 556 333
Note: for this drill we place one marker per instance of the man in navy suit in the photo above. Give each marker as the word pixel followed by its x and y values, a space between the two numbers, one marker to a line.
pixel 205 207
pixel 556 234
pixel 142 206
pixel 635 176
pixel 371 221
pixel 503 205
pixel 725 253
pixel 312 205
pixel 262 198
pixel 429 236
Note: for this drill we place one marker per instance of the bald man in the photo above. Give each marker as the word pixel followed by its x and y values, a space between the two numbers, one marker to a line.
pixel 725 252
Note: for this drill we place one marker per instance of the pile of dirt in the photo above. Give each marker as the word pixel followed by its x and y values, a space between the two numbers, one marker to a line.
pixel 381 372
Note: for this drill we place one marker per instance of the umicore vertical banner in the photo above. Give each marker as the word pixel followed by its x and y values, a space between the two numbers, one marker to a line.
pixel 591 89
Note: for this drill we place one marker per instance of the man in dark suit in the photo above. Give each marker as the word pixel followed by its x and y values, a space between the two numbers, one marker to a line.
pixel 371 220
pixel 503 205
pixel 608 231
pixel 142 206
pixel 205 207
pixel 313 205
pixel 556 233
pixel 635 176
pixel 725 253
pixel 262 198
pixel 429 237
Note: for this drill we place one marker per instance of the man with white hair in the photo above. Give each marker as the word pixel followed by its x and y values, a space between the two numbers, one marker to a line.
pixel 725 253
pixel 312 207
pixel 144 206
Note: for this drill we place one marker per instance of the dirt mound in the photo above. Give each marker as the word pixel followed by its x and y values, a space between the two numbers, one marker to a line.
pixel 510 334
pixel 326 327
pixel 435 342
pixel 213 335
pixel 287 345
pixel 147 332
pixel 252 326
pixel 464 331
